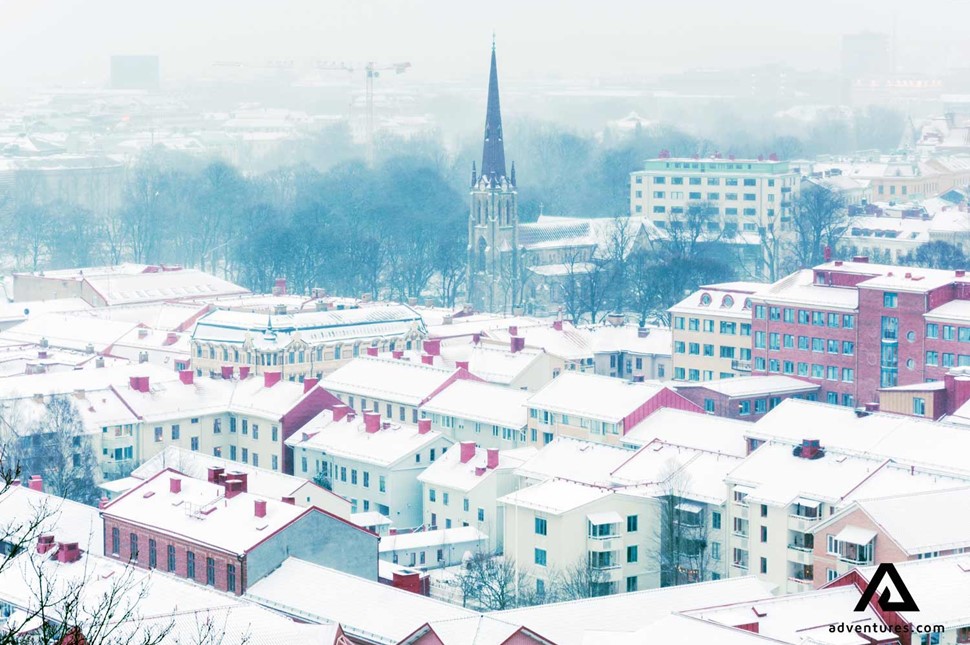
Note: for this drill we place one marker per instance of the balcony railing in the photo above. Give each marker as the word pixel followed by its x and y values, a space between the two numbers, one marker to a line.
pixel 800 547
pixel 740 565
pixel 740 366
pixel 802 581
pixel 849 560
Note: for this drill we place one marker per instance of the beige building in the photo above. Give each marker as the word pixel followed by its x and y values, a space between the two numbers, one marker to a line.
pixel 303 344
pixel 745 193
pixel 711 332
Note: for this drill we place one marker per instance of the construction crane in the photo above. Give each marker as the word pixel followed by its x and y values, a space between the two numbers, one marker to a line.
pixel 372 71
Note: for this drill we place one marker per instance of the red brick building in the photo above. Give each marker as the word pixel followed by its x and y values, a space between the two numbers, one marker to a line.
pixel 217 533
pixel 855 327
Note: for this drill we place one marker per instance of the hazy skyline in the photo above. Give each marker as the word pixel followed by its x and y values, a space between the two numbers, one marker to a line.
pixel 70 41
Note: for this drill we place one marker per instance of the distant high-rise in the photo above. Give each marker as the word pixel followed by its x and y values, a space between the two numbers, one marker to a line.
pixel 866 55
pixel 134 72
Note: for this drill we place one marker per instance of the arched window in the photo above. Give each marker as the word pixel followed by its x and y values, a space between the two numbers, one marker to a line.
pixel 705 299
pixel 727 302
pixel 482 245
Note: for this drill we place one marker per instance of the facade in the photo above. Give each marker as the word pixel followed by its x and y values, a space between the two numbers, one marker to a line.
pixel 489 415
pixel 631 352
pixel 434 548
pixel 747 398
pixel 711 331
pixel 372 462
pixel 215 532
pixel 303 344
pixel 748 194
pixel 816 324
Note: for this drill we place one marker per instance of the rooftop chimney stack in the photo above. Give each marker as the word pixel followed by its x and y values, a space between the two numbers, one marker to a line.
pixel 243 372
pixel 427 359
pixel 259 508
pixel 214 474
pixel 68 552
pixel 467 451
pixel 424 426
pixel 492 460
pixel 340 411
pixel 432 347
pixel 309 383
pixel 174 485
pixel 516 344
pixel 36 482
pixel 187 376
pixel 372 422
pixel 271 378
pixel 45 543
pixel 227 372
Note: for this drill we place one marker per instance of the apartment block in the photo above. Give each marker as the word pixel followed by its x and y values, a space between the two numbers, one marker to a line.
pixel 745 193
pixel 747 398
pixel 711 332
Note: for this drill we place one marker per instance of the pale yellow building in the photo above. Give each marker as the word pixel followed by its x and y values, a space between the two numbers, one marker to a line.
pixel 711 332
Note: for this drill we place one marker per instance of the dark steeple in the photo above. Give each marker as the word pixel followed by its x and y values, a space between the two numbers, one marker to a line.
pixel 493 153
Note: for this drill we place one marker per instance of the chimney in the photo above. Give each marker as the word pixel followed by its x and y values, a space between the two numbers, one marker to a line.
pixel 956 383
pixel 429 302
pixel 433 347
pixel 174 485
pixel 492 460
pixel 513 330
pixel 476 339
pixel 289 500
pixel 637 378
pixel 557 324
pixel 412 302
pixel 244 372
pixel 187 376
pixel 42 353
pixel 259 508
pixel 863 259
pixel 213 473
pixel 809 449
pixel 372 422
pixel 479 471
pixel 99 361
pixel 372 351
pixel 467 451
pixel 960 273
pixel 427 359
pixel 243 481
pixel 339 411
pixel 643 332
pixel 45 543
pixel 271 378
pixel 447 319
pixel 44 343
pixel 279 287
pixel 227 372
pixel 68 552
pixel 279 309
pixel 142 332
pixel 309 383
pixel 36 482
pixel 838 263
pixel 79 393
pixel 398 353
pixel 171 338
pixel 516 344
pixel 462 365
pixel 827 253
pixel 142 357
pixel 103 503
pixel 615 319
pixel 424 426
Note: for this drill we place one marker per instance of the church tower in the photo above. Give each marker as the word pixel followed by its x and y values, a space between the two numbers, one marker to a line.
pixel 493 222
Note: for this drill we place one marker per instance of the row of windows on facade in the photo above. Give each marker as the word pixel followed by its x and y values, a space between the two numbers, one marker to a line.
pixel 725 351
pixel 217 429
pixel 450 422
pixel 245 456
pixel 339 473
pixel 725 327
pixel 805 316
pixel 684 374
pixel 282 357
pixel 190 569
pixel 711 181
pixel 774 341
pixel 594 426
pixel 731 197
pixel 759 406
pixel 388 408
pixel 813 370
pixel 679 210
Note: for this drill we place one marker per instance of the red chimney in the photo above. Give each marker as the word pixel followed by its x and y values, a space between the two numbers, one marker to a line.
pixel 960 273
pixel 174 485
pixel 479 471
pixel 339 411
pixel 513 330
pixel 139 383
pixel 410 581
pixel 492 461
pixel 234 484
pixel 860 258
pixel 432 347
pixel 398 353
pixel 271 378
pixel 45 543
pixel 187 376
pixel 227 372
pixel 372 422
pixel 476 338
pixel 309 383
pixel 279 287
pixel 424 426
pixel 827 253
pixel 260 507
pixel 462 365
pixel 372 351
pixel 517 344
pixel 68 552
pixel 36 483
pixel 214 473
pixel 289 500
pixel 467 451
pixel 171 338
pixel 957 386
pixel 557 325
pixel 809 449
pixel 103 502
pixel 427 359
pixel 244 372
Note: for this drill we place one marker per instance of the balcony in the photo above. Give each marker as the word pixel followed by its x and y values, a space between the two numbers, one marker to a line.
pixel 796 585
pixel 740 366
pixel 601 544
pixel 800 554
pixel 611 573
pixel 801 523
pixel 740 565
pixel 855 560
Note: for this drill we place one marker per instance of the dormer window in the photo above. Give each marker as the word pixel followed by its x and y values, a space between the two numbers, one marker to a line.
pixel 705 299
pixel 727 302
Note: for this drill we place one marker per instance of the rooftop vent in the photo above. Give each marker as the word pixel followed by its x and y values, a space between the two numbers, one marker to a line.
pixel 809 449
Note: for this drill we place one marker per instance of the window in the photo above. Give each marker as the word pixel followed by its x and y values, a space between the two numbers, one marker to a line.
pixel 481 515
pixel 210 571
pixel 366 479
pixel 948 331
pixel 715 551
pixel 708 405
pixel 715 520
pixel 632 553
pixel 803 343
pixel 158 434
pixel 764 565
pixel 194 444
pixel 789 341
pixel 745 329
pixel 631 583
pixel 231 577
pixel 848 347
pixel 833 346
pixel 759 340
pixel 175 432
pixel 831 545
pixel 889 299
pixel 932 358
pixel 152 554
pixel 541 526
pixel 708 350
pixel 631 523
pixel 444 498
pixel 190 565
pixel 932 330
pixel 381 484
pixel 540 557
pixel 764 534
pixel 744 408
pixel 171 558
pixel 831 574
pixel 848 321
pixel 919 406
pixel 833 320
pixel 848 375
pixel 803 317
pixel 432 495
pixel 818 318
pixel 133 547
pixel 759 312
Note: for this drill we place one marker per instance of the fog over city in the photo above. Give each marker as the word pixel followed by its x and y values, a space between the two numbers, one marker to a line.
pixel 414 322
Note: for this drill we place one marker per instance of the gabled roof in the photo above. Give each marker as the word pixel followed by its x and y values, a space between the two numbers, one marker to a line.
pixel 449 472
pixel 583 461
pixel 593 396
pixel 482 402
pixel 940 587
pixel 389 379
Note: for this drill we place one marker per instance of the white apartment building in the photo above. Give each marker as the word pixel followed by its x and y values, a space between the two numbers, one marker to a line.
pixel 370 461
pixel 461 489
pixel 432 549
pixel 746 193
pixel 490 415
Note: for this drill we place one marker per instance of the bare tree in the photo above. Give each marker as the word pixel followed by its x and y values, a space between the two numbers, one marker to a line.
pixel 681 532
pixel 492 582
pixel 580 580
pixel 820 221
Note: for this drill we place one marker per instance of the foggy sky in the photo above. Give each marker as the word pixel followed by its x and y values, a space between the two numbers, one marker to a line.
pixel 69 41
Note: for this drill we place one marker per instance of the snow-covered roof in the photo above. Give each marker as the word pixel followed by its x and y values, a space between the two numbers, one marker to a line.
pixel 555 496
pixel 449 472
pixel 499 364
pixel 940 587
pixel 15 312
pixel 200 512
pixel 153 286
pixel 656 341
pixel 799 288
pixel 956 310
pixel 75 331
pixel 268 331
pixel 320 594
pixel 716 302
pixel 583 461
pixel 660 469
pixel 593 396
pixel 565 623
pixel 425 539
pixel 744 386
pixel 348 439
pixel 388 379
pixel 21 507
pixel 569 343
pixel 684 428
pixel 482 402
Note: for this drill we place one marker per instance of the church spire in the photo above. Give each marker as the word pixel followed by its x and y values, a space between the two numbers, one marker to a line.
pixel 493 152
